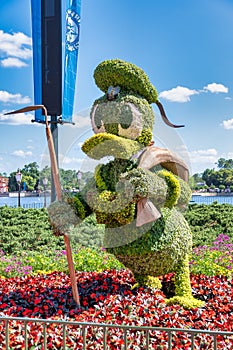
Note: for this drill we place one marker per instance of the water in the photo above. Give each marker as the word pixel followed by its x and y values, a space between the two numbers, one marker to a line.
pixel 38 202
pixel 210 199
pixel 25 202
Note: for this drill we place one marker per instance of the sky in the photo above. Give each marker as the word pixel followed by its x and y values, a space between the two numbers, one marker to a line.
pixel 185 48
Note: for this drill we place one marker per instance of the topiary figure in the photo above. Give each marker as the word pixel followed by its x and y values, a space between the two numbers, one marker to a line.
pixel 138 194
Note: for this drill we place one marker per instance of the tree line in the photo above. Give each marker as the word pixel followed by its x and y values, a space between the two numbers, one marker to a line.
pixel 221 178
pixel 32 178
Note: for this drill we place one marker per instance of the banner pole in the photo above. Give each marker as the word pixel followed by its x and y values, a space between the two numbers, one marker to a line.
pixel 54 131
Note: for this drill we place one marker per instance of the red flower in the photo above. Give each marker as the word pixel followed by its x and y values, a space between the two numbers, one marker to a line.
pixel 107 297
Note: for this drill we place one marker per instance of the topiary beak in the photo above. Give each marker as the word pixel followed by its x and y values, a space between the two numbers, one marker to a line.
pixel 103 145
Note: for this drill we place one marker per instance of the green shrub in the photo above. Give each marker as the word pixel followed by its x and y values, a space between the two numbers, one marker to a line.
pixel 26 229
pixel 88 233
pixel 209 221
pixel 45 261
pixel 29 246
pixel 215 259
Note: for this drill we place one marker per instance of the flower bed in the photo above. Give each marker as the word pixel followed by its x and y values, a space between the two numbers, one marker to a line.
pixel 107 297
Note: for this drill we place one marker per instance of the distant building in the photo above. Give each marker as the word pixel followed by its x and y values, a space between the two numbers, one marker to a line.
pixel 200 183
pixel 3 184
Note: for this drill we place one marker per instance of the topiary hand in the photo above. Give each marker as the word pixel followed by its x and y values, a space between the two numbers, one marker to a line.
pixel 144 184
pixel 62 217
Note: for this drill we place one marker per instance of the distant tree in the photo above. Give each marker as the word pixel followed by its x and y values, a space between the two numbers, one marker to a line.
pixel 31 169
pixel 192 182
pixel 68 179
pixel 31 175
pixel 222 187
pixel 12 184
pixel 197 177
pixel 209 176
pixel 223 163
pixel 30 182
pixel 223 177
pixel 45 173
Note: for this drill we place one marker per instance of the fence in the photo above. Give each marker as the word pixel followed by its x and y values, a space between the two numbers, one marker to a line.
pixel 30 206
pixel 108 336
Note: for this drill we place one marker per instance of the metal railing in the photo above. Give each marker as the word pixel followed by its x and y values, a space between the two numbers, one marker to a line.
pixel 109 336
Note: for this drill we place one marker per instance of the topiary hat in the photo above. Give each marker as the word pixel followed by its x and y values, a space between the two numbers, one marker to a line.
pixel 128 77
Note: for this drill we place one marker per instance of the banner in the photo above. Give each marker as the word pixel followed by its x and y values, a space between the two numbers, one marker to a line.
pixel 37 58
pixel 71 57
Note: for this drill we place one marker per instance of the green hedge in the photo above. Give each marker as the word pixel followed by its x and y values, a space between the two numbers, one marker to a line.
pixel 208 221
pixel 29 229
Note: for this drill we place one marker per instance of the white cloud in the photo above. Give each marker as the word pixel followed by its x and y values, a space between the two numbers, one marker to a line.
pixel 216 88
pixel 183 94
pixel 15 45
pixel 22 154
pixel 7 97
pixel 17 119
pixel 227 124
pixel 73 160
pixel 13 62
pixel 178 94
pixel 82 119
pixel 203 156
pixel 203 159
pixel 228 155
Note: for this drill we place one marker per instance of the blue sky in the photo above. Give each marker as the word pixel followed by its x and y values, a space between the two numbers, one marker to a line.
pixel 184 46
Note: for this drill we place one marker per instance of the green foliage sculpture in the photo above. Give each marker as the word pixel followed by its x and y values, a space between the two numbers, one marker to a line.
pixel 139 194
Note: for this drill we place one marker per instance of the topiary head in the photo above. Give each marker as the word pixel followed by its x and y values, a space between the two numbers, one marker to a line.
pixel 124 112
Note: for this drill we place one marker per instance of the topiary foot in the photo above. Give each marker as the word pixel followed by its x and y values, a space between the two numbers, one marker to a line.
pixel 188 302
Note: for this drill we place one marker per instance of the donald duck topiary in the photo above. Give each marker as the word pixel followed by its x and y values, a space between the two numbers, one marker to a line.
pixel 140 192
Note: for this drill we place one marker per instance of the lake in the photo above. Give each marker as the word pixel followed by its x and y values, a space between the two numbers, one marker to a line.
pixel 38 202
pixel 210 199
pixel 25 202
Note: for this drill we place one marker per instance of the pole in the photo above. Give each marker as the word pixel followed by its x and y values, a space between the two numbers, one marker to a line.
pixel 57 185
pixel 55 176
pixel 19 194
pixel 44 196
pixel 54 132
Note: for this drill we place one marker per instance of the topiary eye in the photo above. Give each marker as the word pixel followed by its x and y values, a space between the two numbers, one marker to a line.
pixel 126 116
pixel 131 121
pixel 97 120
pixel 117 118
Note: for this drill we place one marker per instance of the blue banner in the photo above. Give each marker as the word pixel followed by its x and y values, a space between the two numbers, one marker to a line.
pixel 37 59
pixel 71 57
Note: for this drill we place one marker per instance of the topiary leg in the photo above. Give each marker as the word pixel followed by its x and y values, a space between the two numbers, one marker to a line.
pixel 183 291
pixel 146 280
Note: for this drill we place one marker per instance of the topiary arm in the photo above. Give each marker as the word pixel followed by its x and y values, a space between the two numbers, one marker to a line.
pixel 163 188
pixel 173 188
pixel 64 215
pixel 185 194
pixel 145 184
